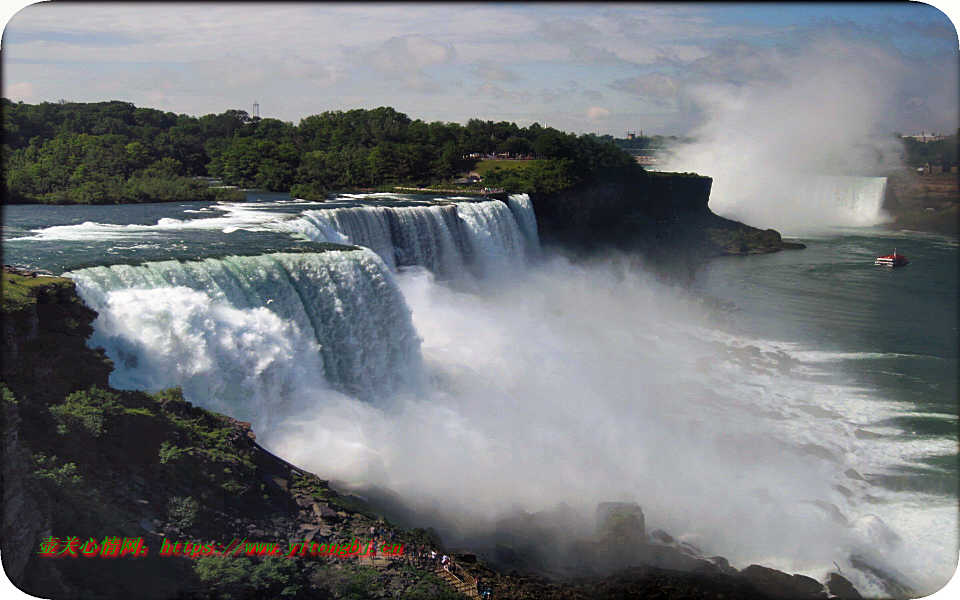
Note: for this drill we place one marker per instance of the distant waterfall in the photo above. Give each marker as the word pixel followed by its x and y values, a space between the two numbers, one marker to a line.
pixel 857 201
pixel 444 238
pixel 244 334
pixel 795 204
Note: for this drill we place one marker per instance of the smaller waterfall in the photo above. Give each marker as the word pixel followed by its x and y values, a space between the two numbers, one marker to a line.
pixel 444 238
pixel 494 235
pixel 522 210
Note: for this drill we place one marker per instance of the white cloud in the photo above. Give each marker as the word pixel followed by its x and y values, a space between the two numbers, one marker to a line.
pixel 492 89
pixel 491 71
pixel 405 59
pixel 596 113
pixel 19 91
pixel 658 88
pixel 302 68
pixel 549 95
pixel 409 56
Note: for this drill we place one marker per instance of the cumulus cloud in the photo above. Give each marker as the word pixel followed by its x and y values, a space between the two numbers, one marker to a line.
pixel 593 56
pixel 491 71
pixel 405 59
pixel 155 98
pixel 19 91
pixel 658 88
pixel 231 71
pixel 302 68
pixel 565 30
pixel 492 89
pixel 596 113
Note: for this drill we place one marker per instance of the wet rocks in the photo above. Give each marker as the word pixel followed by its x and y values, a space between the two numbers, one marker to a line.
pixel 841 588
pixel 779 585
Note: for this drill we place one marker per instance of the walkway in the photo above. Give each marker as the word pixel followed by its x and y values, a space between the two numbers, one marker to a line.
pixel 457 577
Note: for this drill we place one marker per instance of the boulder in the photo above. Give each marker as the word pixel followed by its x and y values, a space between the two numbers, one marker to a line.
pixel 663 536
pixel 782 586
pixel 605 510
pixel 841 588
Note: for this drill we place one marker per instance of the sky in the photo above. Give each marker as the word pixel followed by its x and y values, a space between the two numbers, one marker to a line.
pixel 604 68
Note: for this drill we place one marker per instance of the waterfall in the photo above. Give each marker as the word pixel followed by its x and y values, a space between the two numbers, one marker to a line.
pixel 243 335
pixel 444 238
pixel 857 201
pixel 494 236
pixel 795 203
pixel 522 210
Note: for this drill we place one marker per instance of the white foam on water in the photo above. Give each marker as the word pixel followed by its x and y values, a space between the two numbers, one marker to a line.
pixel 556 388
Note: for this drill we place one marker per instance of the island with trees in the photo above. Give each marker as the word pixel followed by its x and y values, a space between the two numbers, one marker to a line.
pixel 112 152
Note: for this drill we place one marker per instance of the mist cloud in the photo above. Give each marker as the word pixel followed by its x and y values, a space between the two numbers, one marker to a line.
pixel 825 110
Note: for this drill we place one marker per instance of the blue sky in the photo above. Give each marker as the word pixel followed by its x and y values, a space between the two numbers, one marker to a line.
pixel 579 67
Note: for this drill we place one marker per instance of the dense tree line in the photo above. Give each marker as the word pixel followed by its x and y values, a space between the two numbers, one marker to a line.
pixel 917 153
pixel 116 152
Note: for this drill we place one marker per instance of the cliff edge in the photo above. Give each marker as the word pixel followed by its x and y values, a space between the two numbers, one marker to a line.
pixel 663 214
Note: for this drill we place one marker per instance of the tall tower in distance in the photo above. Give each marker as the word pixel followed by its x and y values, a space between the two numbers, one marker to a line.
pixel 256 110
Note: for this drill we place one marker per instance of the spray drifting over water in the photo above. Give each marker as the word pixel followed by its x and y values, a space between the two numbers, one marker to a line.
pixel 768 142
pixel 566 383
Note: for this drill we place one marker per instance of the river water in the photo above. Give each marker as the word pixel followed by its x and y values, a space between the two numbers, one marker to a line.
pixel 811 418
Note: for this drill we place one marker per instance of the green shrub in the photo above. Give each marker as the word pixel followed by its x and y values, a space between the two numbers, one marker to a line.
pixel 308 191
pixel 63 477
pixel 86 411
pixel 242 578
pixel 170 453
pixel 6 397
pixel 182 511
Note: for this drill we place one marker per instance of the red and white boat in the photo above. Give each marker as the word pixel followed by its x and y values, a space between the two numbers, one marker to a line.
pixel 892 260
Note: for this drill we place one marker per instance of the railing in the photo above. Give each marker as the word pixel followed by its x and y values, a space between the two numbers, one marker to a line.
pixel 455 576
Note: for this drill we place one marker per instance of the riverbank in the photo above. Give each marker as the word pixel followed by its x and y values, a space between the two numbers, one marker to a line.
pixel 919 202
pixel 134 190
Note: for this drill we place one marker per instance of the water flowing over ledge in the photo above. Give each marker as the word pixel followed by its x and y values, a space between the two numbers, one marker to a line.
pixel 243 333
pixel 484 236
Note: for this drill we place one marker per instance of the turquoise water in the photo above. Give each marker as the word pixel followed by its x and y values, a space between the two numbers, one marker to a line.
pixel 891 330
pixel 63 238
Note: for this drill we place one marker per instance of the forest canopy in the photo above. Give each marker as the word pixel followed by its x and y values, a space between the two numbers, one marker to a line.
pixel 105 152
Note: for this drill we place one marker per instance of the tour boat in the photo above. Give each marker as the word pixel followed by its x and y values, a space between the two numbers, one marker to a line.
pixel 892 260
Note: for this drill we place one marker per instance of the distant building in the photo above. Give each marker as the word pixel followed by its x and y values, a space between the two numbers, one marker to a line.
pixel 630 136
pixel 941 166
pixel 925 138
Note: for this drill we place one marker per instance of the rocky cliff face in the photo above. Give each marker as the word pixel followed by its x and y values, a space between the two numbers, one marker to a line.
pixel 924 202
pixel 24 524
pixel 665 218
pixel 609 212
pixel 44 327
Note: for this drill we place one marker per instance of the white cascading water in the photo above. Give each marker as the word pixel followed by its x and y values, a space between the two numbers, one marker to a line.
pixel 794 203
pixel 495 238
pixel 522 210
pixel 484 236
pixel 857 201
pixel 244 335
pixel 427 236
